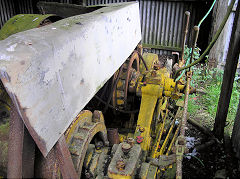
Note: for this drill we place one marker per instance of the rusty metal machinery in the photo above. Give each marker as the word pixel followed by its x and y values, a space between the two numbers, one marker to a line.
pixel 149 149
pixel 146 152
pixel 138 136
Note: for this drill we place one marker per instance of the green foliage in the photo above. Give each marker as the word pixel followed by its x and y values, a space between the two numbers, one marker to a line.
pixel 188 51
pixel 4 132
pixel 192 107
pixel 211 81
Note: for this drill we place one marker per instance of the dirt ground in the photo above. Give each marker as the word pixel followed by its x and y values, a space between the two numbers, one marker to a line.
pixel 215 161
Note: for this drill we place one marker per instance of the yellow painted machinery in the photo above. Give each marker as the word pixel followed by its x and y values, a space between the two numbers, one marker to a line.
pixel 142 143
pixel 137 133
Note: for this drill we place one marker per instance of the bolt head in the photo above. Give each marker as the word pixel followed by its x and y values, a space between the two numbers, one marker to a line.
pixel 154 73
pixel 96 116
pixel 126 148
pixel 130 141
pixel 141 129
pixel 120 165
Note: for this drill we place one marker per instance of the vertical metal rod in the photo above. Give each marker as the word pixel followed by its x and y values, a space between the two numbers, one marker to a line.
pixel 196 32
pixel 15 145
pixel 64 158
pixel 179 169
pixel 183 127
pixel 184 116
pixel 187 15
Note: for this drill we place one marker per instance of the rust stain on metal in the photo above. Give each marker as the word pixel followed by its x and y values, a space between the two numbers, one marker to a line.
pixel 113 136
pixel 83 133
pixel 15 145
pixel 64 158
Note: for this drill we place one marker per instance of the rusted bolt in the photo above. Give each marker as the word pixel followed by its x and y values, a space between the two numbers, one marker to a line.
pixel 126 148
pixel 96 116
pixel 154 73
pixel 139 139
pixel 130 141
pixel 181 140
pixel 141 129
pixel 120 165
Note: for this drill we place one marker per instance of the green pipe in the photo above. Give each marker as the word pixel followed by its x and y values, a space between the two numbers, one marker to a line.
pixel 206 14
pixel 212 42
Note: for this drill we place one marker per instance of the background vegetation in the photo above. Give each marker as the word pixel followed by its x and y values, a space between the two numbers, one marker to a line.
pixel 203 107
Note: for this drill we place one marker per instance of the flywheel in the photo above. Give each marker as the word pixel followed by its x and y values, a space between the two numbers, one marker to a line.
pixel 129 71
pixel 80 134
pixel 86 127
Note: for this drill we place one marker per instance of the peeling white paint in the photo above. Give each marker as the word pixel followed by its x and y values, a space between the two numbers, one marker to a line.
pixel 11 48
pixel 4 57
pixel 57 72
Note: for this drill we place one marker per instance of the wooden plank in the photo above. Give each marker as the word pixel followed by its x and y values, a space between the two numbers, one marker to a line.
pixel 228 78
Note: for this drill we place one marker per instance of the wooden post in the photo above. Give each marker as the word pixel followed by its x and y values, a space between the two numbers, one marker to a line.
pixel 228 78
pixel 219 9
pixel 236 132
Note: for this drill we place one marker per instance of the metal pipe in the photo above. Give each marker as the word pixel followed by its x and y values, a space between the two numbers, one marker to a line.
pixel 64 159
pixel 196 32
pixel 173 140
pixel 15 145
pixel 187 15
pixel 184 116
pixel 182 130
pixel 179 169
pixel 113 136
pixel 212 42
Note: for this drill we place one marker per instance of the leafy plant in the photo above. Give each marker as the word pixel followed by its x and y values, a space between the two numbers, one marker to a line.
pixel 203 78
pixel 188 51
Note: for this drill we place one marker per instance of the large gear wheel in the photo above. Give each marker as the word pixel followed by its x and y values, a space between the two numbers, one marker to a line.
pixel 129 70
pixel 80 134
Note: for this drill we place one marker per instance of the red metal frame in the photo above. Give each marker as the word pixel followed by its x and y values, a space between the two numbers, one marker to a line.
pixel 21 151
